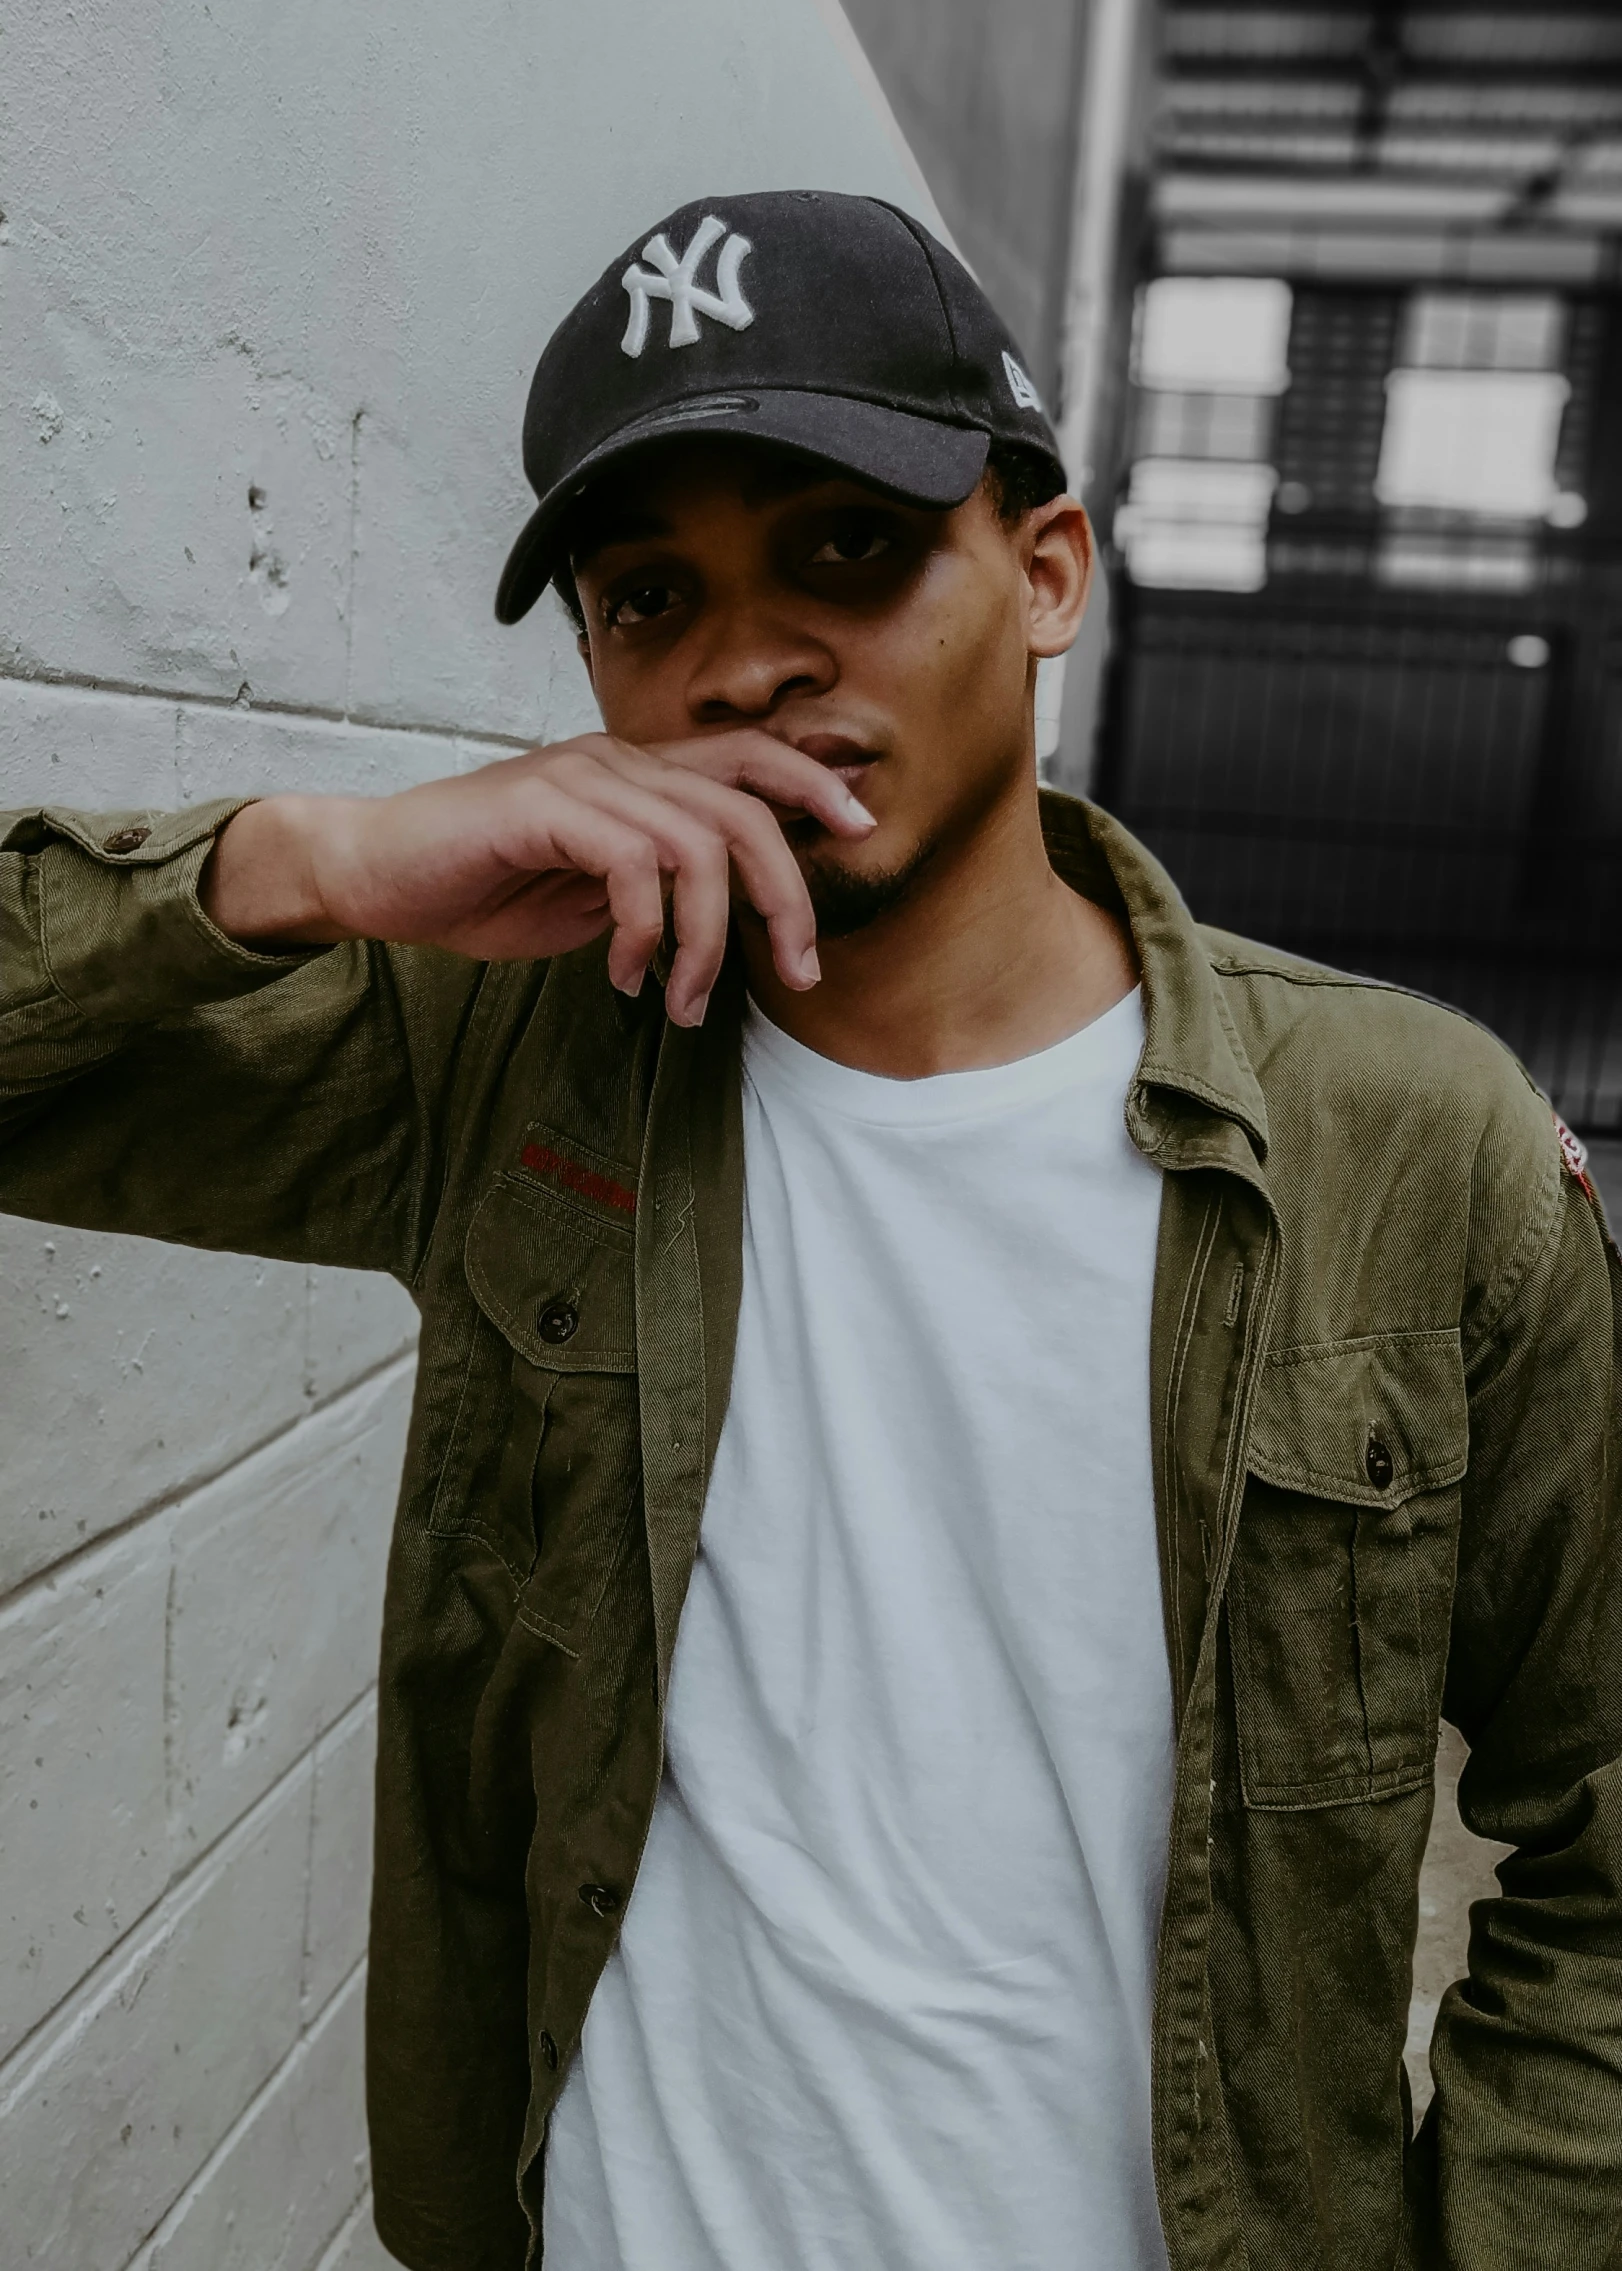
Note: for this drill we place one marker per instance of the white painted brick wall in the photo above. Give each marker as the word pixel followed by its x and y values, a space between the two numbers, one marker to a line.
pixel 141 2075
pixel 275 1581
pixel 271 284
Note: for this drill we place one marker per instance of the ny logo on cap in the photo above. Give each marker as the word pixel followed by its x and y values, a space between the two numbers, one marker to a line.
pixel 677 281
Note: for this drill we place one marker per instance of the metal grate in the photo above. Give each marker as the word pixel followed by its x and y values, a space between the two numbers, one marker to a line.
pixel 1381 790
pixel 1366 698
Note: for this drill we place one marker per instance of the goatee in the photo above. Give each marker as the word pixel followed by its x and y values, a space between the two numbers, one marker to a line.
pixel 844 900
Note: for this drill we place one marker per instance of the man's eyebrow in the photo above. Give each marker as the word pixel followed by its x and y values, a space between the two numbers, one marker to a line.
pixel 629 524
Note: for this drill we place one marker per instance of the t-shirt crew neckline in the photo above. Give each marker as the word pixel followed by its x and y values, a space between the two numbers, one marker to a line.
pixel 1105 1048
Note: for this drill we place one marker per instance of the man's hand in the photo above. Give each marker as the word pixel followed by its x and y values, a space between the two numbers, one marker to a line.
pixel 541 853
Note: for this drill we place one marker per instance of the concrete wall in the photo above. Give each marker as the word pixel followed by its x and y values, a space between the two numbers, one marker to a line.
pixel 272 280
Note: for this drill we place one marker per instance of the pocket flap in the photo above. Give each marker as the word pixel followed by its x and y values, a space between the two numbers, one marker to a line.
pixel 560 1283
pixel 1369 1422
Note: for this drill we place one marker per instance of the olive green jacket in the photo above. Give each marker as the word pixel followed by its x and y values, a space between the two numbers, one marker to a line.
pixel 1386 1449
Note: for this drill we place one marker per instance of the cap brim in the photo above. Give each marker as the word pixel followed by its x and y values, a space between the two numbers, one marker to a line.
pixel 921 461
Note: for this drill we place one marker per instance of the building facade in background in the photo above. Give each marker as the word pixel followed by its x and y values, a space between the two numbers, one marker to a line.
pixel 1367 688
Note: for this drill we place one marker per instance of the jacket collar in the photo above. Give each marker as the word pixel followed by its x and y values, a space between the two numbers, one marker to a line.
pixel 1192 1053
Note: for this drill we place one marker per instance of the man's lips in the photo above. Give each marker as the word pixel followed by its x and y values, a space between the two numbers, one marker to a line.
pixel 840 752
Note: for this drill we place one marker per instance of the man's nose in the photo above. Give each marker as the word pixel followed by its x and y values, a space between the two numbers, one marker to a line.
pixel 753 661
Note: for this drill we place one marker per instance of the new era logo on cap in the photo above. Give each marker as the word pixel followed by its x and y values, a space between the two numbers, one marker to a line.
pixel 1020 384
pixel 906 389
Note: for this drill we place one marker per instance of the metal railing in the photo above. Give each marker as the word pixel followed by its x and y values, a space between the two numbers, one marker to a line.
pixel 1422 788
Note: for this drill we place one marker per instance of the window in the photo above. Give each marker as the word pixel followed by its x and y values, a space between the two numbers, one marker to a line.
pixel 1472 425
pixel 1230 333
pixel 1177 424
pixel 1209 364
pixel 1478 442
pixel 1192 526
pixel 1483 331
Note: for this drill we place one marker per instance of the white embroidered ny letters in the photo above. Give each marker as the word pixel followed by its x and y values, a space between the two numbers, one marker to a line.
pixel 677 281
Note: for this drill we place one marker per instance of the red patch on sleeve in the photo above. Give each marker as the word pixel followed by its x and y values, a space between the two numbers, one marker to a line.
pixel 541 1159
pixel 1573 1155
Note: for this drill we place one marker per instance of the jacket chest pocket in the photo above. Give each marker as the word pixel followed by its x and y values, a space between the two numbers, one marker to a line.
pixel 1341 1585
pixel 545 1463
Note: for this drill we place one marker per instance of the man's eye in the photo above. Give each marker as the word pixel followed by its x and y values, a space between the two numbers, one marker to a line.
pixel 642 604
pixel 858 541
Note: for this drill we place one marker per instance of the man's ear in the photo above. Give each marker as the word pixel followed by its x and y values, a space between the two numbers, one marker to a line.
pixel 1057 542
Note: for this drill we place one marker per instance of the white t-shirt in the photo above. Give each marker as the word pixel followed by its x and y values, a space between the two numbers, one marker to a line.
pixel 882 1996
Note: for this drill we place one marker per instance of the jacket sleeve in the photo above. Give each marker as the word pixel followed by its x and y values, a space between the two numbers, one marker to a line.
pixel 1519 2160
pixel 155 1076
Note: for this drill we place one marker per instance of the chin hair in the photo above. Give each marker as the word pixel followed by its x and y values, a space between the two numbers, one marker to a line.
pixel 844 901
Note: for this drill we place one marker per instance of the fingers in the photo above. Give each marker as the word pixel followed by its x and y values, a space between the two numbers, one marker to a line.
pixel 697 815
pixel 704 833
pixel 766 767
pixel 602 844
pixel 693 849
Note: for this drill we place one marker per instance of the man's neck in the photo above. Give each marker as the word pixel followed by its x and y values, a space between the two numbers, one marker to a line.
pixel 988 958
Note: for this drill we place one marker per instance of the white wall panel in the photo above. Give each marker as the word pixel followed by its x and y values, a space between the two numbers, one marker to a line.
pixel 127 1370
pixel 243 2213
pixel 75 745
pixel 340 1880
pixel 357 2246
pixel 355 1320
pixel 81 1771
pixel 275 1604
pixel 103 2123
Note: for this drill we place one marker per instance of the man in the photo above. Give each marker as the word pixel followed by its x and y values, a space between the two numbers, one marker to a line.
pixel 967 1428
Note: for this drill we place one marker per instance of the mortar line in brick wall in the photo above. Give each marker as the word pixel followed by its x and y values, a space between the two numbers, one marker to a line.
pixel 339 1730
pixel 178 1493
pixel 333 2251
pixel 354 559
pixel 309 1847
pixel 155 2232
pixel 361 721
pixel 171 1715
pixel 80 1998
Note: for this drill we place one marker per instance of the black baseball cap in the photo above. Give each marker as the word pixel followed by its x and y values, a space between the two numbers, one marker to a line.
pixel 831 325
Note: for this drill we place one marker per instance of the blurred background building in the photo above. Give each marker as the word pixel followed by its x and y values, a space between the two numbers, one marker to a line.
pixel 1329 299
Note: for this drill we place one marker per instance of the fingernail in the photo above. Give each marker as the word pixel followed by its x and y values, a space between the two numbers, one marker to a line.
pixel 695 1010
pixel 859 812
pixel 810 967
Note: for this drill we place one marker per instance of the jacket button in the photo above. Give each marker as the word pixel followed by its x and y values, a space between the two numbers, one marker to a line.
pixel 602 1900
pixel 125 839
pixel 1377 1464
pixel 548 2050
pixel 559 1321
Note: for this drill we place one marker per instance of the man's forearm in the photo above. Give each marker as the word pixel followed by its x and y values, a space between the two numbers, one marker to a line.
pixel 147 1058
pixel 260 884
pixel 538 854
